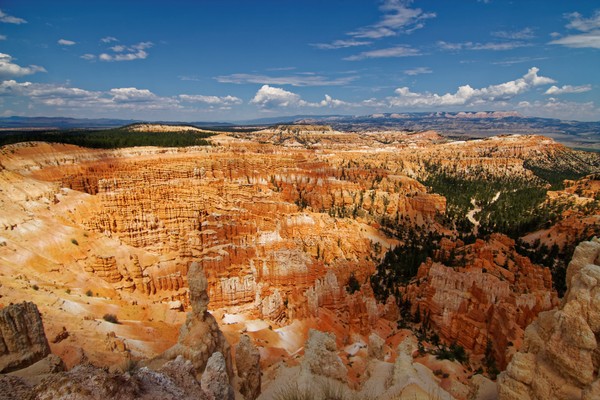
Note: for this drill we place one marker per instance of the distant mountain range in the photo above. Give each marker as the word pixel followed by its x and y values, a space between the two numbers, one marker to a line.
pixel 463 125
pixel 585 135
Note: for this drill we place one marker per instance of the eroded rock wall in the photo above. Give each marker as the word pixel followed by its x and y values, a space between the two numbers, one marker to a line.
pixel 560 356
pixel 22 337
pixel 490 293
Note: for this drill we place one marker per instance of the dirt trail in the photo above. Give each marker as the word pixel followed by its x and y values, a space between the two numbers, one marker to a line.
pixel 475 210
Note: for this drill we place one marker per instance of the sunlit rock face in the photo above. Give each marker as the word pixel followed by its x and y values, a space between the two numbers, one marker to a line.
pixel 560 355
pixel 491 293
pixel 278 220
pixel 22 337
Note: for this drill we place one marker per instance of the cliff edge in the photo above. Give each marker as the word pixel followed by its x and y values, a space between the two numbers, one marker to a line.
pixel 560 357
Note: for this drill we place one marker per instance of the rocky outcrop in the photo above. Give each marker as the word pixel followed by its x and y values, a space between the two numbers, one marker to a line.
pixel 105 268
pixel 376 346
pixel 200 335
pixel 22 337
pixel 215 381
pixel 490 293
pixel 320 356
pixel 86 382
pixel 560 356
pixel 247 363
pixel 52 364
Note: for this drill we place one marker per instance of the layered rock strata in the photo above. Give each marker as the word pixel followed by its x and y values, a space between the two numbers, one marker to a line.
pixel 320 356
pixel 489 294
pixel 247 364
pixel 200 336
pixel 22 337
pixel 560 355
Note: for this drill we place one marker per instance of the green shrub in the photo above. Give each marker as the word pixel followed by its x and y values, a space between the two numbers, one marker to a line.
pixel 353 285
pixel 75 242
pixel 35 287
pixel 112 318
pixel 89 293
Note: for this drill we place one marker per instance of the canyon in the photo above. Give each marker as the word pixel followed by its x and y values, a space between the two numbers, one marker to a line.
pixel 289 224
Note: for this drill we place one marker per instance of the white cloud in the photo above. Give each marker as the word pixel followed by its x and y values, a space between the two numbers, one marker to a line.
pixel 519 60
pixel 494 46
pixel 591 39
pixel 65 42
pixel 577 22
pixel 210 100
pixel 2 37
pixel 268 97
pixel 127 53
pixel 398 51
pixel 132 95
pixel 88 57
pixel 398 18
pixel 53 95
pixel 340 44
pixel 523 34
pixel 466 95
pixel 418 71
pixel 554 90
pixel 9 69
pixel 65 97
pixel 9 19
pixel 109 39
pixel 333 103
pixel 590 28
pixel 293 80
pixel 272 97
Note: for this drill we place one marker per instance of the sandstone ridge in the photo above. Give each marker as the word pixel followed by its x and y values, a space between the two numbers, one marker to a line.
pixel 22 337
pixel 560 354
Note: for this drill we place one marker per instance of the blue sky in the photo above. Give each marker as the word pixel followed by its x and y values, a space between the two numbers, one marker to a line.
pixel 226 60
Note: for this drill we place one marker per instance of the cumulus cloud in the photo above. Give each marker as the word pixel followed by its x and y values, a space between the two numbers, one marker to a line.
pixel 130 98
pixel 268 97
pixel 340 44
pixel 418 71
pixel 554 90
pixel 466 95
pixel 131 94
pixel 293 80
pixel 9 69
pixel 9 19
pixel 210 100
pixel 333 103
pixel 590 28
pixel 109 39
pixel 494 46
pixel 272 97
pixel 398 17
pixel 52 95
pixel 65 42
pixel 398 51
pixel 127 53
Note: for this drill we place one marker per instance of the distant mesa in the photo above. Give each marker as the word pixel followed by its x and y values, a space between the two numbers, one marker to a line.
pixel 162 128
pixel 299 128
pixel 484 114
